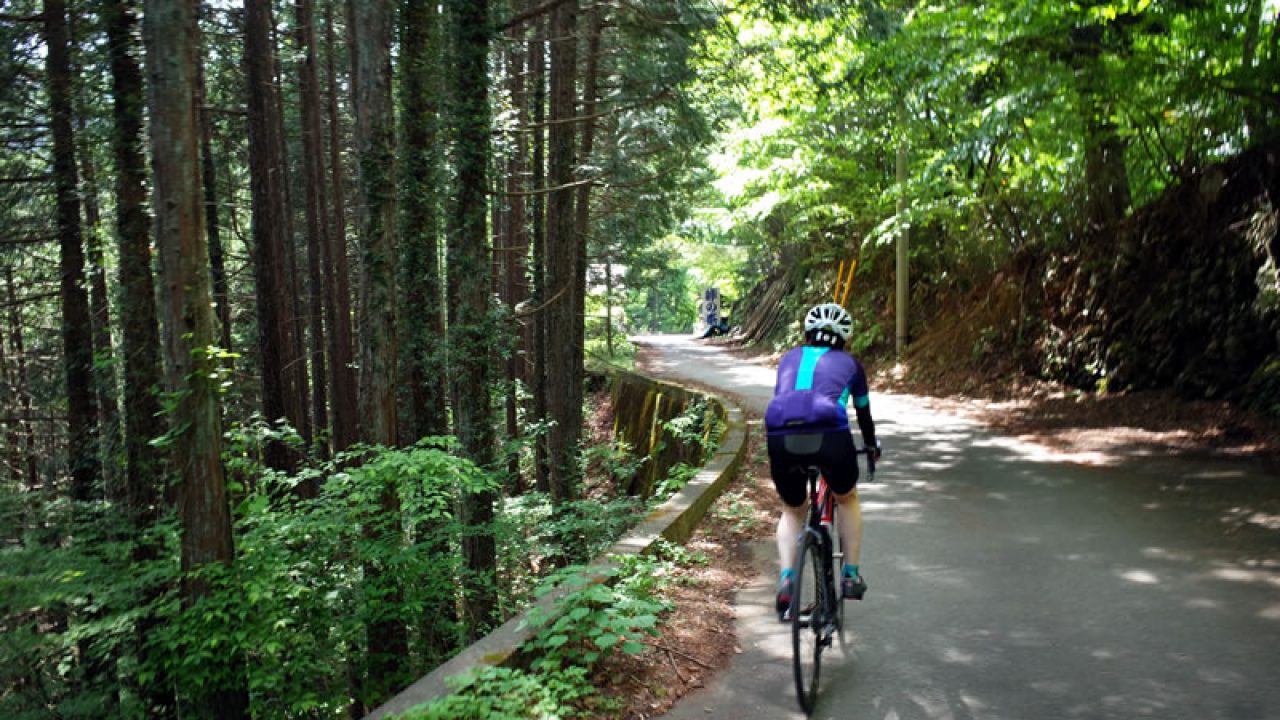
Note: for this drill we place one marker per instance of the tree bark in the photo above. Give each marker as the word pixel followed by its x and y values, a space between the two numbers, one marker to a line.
pixel 209 172
pixel 371 36
pixel 171 37
pixel 316 210
pixel 470 332
pixel 140 328
pixel 337 288
pixel 106 389
pixel 564 405
pixel 516 243
pixel 421 186
pixel 77 324
pixel 582 203
pixel 539 388
pixel 281 396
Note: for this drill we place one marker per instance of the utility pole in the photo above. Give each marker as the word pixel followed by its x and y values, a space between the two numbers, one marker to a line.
pixel 902 272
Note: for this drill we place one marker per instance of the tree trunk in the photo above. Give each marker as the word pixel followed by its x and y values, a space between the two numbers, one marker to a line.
pixel 539 388
pixel 516 243
pixel 421 191
pixel 209 171
pixel 564 403
pixel 171 40
pixel 316 210
pixel 1106 177
pixel 582 204
pixel 140 329
pixel 469 282
pixel 281 396
pixel 9 407
pixel 337 288
pixel 29 467
pixel 106 389
pixel 77 324
pixel 371 34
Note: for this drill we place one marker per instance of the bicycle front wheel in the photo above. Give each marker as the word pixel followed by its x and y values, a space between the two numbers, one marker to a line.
pixel 809 615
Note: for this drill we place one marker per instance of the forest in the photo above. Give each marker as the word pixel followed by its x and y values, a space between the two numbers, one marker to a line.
pixel 301 298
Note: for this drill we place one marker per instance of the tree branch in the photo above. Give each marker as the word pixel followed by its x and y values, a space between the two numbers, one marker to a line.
pixel 530 14
pixel 547 190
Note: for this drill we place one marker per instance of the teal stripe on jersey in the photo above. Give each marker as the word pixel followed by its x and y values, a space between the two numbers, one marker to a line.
pixel 861 401
pixel 808 364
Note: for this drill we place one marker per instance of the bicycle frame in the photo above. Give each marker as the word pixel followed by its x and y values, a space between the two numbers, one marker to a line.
pixel 812 631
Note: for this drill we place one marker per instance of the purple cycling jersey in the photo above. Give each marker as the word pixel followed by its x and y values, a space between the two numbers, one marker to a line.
pixel 813 386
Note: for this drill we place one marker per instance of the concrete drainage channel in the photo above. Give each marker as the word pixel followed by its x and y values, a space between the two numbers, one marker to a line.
pixel 674 520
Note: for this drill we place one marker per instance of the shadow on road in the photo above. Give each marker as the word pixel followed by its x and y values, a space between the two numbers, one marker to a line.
pixel 1007 582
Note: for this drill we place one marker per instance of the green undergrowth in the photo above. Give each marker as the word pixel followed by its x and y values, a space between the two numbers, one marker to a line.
pixel 600 612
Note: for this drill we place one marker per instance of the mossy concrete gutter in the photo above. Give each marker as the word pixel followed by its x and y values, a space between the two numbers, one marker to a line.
pixel 674 520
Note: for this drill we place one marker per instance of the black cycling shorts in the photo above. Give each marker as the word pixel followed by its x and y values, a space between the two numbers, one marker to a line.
pixel 836 457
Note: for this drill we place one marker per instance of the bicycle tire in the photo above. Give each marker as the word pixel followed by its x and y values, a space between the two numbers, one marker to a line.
pixel 809 614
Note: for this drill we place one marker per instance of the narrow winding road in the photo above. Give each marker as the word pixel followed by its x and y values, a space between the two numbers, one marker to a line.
pixel 1007 582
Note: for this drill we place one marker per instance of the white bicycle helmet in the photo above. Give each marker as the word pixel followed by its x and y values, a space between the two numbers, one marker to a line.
pixel 829 316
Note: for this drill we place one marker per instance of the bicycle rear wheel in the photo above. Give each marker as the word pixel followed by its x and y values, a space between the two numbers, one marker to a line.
pixel 809 614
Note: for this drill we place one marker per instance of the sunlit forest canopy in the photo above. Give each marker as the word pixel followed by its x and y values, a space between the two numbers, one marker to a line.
pixel 1023 122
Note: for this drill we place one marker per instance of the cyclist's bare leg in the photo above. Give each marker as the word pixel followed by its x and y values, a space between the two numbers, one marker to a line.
pixel 850 519
pixel 790 524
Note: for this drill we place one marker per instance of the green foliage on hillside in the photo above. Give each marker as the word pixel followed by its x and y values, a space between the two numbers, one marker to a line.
pixel 1032 134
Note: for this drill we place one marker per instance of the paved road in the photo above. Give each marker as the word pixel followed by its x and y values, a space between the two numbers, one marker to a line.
pixel 1009 583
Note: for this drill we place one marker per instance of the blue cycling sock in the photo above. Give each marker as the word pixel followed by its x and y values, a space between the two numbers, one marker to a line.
pixel 788 572
pixel 850 570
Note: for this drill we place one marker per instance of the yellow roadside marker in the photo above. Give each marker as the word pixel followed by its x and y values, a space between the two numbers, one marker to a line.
pixel 844 297
pixel 844 284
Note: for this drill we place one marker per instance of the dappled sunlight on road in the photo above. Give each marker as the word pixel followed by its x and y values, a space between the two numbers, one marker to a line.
pixel 1012 579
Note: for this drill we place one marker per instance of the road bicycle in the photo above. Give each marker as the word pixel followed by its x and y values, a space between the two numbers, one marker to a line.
pixel 817 605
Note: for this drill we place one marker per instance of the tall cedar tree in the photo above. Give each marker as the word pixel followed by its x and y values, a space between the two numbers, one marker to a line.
pixel 562 385
pixel 316 209
pixel 538 254
pixel 140 329
pixel 337 306
pixel 105 387
pixel 470 328
pixel 171 37
pixel 515 250
pixel 77 324
pixel 209 175
pixel 371 35
pixel 421 190
pixel 582 203
pixel 77 317
pixel 281 395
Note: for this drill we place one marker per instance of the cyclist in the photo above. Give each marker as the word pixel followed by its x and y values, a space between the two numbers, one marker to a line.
pixel 814 382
